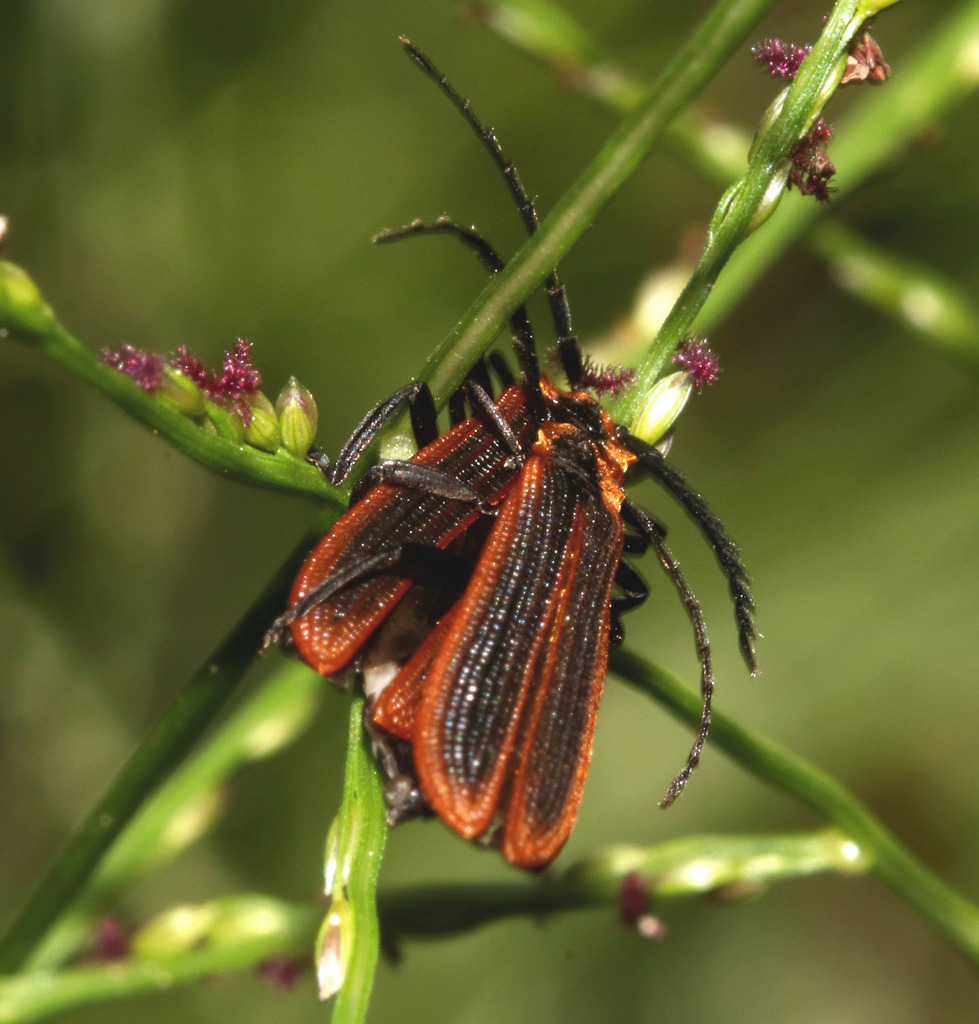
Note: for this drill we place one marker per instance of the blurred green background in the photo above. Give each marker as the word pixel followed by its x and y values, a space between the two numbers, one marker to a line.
pixel 184 172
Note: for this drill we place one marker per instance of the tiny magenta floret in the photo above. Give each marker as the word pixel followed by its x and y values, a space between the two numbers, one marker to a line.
pixel 698 359
pixel 143 368
pixel 782 59
pixel 262 430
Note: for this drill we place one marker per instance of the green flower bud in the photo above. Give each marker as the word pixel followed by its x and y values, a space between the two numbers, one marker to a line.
pixel 222 922
pixel 179 392
pixel 296 409
pixel 662 406
pixel 768 119
pixel 223 423
pixel 176 930
pixel 22 307
pixel 263 430
pixel 770 200
pixel 333 945
pixel 238 918
pixel 330 858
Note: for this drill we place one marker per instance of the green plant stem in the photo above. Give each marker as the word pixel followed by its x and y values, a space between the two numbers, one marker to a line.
pixel 919 297
pixel 186 806
pixel 938 74
pixel 926 86
pixel 731 867
pixel 753 198
pixel 40 994
pixel 890 861
pixel 682 868
pixel 350 940
pixel 719 35
pixel 25 317
pixel 925 301
pixel 159 753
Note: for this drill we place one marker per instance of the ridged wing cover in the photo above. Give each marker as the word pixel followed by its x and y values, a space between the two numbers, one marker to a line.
pixel 388 517
pixel 500 701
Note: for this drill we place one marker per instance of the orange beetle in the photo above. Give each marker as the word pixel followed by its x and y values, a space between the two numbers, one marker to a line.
pixel 479 584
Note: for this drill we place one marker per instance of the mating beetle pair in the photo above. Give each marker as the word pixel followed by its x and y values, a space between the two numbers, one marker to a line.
pixel 479 585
